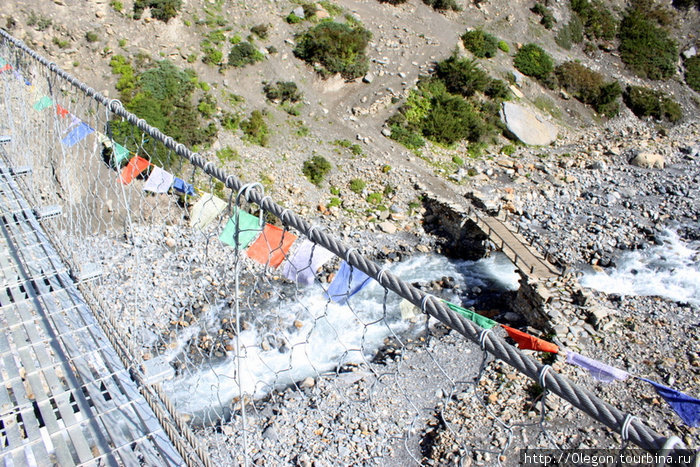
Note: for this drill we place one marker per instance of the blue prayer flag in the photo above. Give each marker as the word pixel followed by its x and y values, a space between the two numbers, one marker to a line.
pixel 77 134
pixel 688 408
pixel 346 283
pixel 182 186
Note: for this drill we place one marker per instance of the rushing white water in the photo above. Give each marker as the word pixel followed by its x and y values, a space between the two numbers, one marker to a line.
pixel 329 336
pixel 670 270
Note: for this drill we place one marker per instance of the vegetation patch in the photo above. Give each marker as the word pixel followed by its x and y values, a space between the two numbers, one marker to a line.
pixel 357 185
pixel 161 94
pixel 338 47
pixel 597 20
pixel 163 10
pixel 645 102
pixel 590 87
pixel 533 61
pixel 692 72
pixel 571 33
pixel 316 168
pixel 443 5
pixel 283 91
pixel 547 18
pixel 480 43
pixel 255 128
pixel 645 45
pixel 244 53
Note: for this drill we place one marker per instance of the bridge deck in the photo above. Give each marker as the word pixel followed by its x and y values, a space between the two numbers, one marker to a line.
pixel 65 396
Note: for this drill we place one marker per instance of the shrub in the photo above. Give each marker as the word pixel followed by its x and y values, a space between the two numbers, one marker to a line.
pixel 337 47
pixel 645 102
pixel 255 128
pixel 570 33
pixel 374 198
pixel 646 49
pixel 162 10
pixel 207 106
pixel 410 139
pixel 393 2
pixel 260 30
pixel 547 18
pixel 480 43
pixel 692 72
pixel 503 45
pixel 282 91
pixel 533 61
pixel 443 4
pixel 228 154
pixel 315 169
pixel 497 89
pixel 589 87
pixel 117 5
pixel 357 185
pixel 212 55
pixel 61 43
pixel 452 119
pixel 293 19
pixel 230 120
pixel 598 21
pixel 91 36
pixel 462 76
pixel 244 53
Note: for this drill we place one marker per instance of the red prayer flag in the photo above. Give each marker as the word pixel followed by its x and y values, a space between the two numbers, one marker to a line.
pixel 62 111
pixel 527 342
pixel 271 246
pixel 135 166
pixel 6 68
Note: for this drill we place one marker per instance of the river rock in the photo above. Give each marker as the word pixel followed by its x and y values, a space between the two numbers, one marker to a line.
pixel 648 160
pixel 527 125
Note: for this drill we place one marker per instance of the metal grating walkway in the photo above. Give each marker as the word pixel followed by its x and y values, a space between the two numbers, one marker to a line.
pixel 65 397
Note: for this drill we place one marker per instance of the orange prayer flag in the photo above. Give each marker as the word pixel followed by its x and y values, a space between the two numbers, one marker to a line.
pixel 7 67
pixel 271 246
pixel 527 342
pixel 62 111
pixel 135 166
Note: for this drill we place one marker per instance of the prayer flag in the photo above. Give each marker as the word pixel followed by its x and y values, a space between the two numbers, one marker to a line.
pixel 159 181
pixel 61 111
pixel 303 265
pixel 598 370
pixel 482 321
pixel 205 210
pixel 7 67
pixel 272 246
pixel 43 103
pixel 3 62
pixel 249 228
pixel 528 342
pixel 120 154
pixel 77 134
pixel 135 166
pixel 346 283
pixel 688 408
pixel 182 186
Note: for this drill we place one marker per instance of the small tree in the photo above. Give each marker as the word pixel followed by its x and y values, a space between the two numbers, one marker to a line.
pixel 533 61
pixel 338 47
pixel 480 43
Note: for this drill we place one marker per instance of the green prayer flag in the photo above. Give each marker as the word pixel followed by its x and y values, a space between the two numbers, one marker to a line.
pixel 3 62
pixel 120 154
pixel 482 321
pixel 249 226
pixel 43 103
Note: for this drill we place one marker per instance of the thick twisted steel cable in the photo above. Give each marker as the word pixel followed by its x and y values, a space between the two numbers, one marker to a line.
pixel 639 433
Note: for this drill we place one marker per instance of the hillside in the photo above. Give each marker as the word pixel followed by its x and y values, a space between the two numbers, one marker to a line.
pixel 341 120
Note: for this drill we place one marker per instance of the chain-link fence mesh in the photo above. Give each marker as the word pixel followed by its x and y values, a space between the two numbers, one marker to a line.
pixel 234 322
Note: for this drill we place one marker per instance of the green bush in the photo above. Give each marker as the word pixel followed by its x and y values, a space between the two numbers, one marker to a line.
pixel 503 45
pixel 480 43
pixel 533 61
pixel 571 33
pixel 116 5
pixel 207 106
pixel 315 169
pixel 443 4
pixel 282 91
pixel 462 76
pixel 255 128
pixel 598 21
pixel 589 87
pixel 410 139
pixel 338 47
pixel 357 185
pixel 162 95
pixel 393 2
pixel 244 53
pixel 61 43
pixel 162 10
pixel 547 18
pixel 645 102
pixel 91 36
pixel 293 19
pixel 260 30
pixel 453 119
pixel 692 72
pixel 212 55
pixel 647 49
pixel 228 154
pixel 374 198
pixel 230 120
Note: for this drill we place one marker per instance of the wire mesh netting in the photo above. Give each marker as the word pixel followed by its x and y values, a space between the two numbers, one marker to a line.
pixel 269 347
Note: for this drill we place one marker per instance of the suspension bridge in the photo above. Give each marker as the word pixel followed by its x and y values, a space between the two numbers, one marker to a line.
pixel 105 368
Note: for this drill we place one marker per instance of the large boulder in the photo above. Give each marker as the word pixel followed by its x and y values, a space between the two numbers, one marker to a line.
pixel 648 160
pixel 528 126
